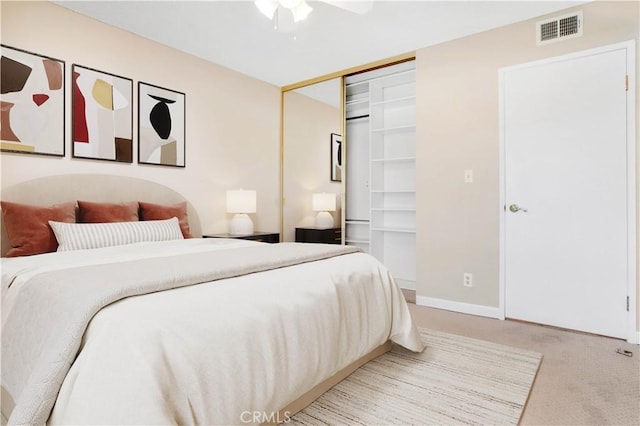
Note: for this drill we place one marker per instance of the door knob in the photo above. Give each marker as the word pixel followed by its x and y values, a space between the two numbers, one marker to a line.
pixel 515 208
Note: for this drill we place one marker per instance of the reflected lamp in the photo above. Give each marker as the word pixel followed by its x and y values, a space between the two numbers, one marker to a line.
pixel 323 203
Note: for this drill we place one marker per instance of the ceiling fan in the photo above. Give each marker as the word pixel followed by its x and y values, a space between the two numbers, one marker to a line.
pixel 286 13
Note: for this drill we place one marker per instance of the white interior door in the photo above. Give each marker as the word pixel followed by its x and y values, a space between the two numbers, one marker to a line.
pixel 565 142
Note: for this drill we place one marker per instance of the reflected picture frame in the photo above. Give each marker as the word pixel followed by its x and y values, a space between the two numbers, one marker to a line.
pixel 336 157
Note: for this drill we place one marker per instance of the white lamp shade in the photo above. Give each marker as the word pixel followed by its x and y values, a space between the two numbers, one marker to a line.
pixel 324 202
pixel 241 201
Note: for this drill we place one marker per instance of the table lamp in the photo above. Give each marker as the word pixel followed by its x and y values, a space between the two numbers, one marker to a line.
pixel 241 202
pixel 323 203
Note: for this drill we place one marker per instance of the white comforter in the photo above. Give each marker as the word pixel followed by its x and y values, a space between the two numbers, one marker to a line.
pixel 206 354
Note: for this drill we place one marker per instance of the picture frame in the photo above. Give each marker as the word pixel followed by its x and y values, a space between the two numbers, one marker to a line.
pixel 32 103
pixel 336 157
pixel 161 126
pixel 102 108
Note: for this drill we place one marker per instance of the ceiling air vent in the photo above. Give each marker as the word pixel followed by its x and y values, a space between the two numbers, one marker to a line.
pixel 559 28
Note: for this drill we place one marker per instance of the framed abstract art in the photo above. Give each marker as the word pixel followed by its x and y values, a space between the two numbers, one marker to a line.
pixel 161 126
pixel 102 115
pixel 32 98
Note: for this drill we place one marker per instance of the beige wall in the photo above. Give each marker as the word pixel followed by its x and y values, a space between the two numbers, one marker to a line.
pixel 457 108
pixel 308 125
pixel 232 127
pixel 233 132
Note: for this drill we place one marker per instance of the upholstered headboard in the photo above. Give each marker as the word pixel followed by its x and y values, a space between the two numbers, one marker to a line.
pixel 98 188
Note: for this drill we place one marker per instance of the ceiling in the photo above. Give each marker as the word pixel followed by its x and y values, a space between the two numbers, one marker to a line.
pixel 236 35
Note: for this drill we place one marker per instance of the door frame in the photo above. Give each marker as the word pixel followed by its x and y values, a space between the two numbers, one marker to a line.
pixel 633 335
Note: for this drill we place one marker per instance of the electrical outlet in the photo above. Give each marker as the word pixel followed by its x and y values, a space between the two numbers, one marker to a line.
pixel 468 176
pixel 467 279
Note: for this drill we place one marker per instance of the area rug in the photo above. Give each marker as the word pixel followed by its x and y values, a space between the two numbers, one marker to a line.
pixel 456 380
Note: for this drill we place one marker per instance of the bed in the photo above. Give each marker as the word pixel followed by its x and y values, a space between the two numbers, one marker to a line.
pixel 189 331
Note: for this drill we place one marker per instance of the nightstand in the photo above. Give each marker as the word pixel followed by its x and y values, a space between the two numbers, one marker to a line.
pixel 317 235
pixel 265 237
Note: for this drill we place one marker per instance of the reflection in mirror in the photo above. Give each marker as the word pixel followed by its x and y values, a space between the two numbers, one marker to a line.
pixel 310 115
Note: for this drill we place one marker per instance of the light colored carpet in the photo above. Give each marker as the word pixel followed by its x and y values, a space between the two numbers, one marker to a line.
pixel 456 380
pixel 582 380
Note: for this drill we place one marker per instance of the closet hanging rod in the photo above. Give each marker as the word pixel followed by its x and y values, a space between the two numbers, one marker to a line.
pixel 357 117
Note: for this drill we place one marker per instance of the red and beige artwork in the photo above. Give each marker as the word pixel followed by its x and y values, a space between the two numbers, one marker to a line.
pixel 102 115
pixel 31 102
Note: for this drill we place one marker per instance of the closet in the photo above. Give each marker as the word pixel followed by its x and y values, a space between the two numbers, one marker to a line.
pixel 380 211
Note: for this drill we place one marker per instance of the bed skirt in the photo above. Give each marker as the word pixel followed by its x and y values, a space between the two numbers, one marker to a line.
pixel 314 393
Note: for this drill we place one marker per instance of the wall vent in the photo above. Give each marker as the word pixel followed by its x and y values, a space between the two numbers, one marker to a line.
pixel 559 28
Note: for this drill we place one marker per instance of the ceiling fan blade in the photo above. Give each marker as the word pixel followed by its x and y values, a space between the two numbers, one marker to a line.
pixel 355 6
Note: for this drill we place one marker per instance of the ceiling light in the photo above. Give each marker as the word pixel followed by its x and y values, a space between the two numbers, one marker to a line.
pixel 299 8
pixel 290 4
pixel 301 11
pixel 267 7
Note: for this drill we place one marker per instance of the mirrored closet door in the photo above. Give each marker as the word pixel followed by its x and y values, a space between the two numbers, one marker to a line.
pixel 311 114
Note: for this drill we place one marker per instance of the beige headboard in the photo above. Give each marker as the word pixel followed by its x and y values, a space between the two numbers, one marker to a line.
pixel 97 188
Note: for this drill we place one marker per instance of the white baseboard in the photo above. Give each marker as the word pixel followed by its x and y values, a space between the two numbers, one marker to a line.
pixel 406 284
pixel 483 311
pixel 464 308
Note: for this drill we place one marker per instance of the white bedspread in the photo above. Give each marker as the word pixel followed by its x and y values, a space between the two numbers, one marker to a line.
pixel 207 353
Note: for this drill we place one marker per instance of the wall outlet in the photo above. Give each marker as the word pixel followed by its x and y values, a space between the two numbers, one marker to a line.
pixel 467 279
pixel 468 176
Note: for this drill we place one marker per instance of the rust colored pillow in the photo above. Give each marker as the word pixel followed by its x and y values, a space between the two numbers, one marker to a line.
pixel 107 212
pixel 149 211
pixel 28 227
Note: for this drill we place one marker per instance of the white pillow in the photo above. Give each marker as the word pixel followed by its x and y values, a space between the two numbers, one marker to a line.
pixel 80 236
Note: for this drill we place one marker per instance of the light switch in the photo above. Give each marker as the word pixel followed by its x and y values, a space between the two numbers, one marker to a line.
pixel 468 176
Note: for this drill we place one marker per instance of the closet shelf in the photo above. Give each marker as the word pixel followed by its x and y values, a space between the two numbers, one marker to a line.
pixel 357 102
pixel 394 191
pixel 400 230
pixel 397 129
pixel 393 209
pixel 396 102
pixel 397 79
pixel 388 160
pixel 357 241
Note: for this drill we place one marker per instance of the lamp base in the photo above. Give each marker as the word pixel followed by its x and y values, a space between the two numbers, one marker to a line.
pixel 324 220
pixel 241 224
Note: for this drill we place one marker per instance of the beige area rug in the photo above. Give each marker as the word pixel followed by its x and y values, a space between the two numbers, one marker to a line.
pixel 456 380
